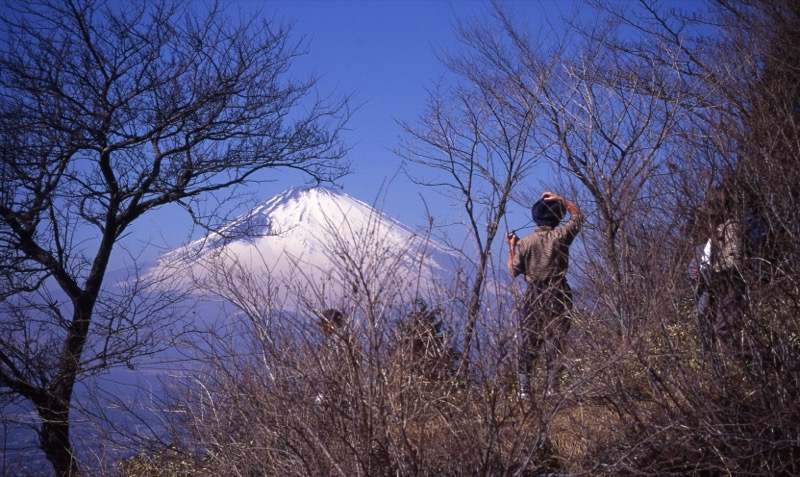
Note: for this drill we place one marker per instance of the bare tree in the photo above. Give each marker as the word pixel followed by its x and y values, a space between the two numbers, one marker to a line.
pixel 475 139
pixel 107 113
pixel 608 126
pixel 726 76
pixel 645 111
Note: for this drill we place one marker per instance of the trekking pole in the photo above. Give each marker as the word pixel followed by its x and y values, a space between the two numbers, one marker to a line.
pixel 511 233
pixel 514 232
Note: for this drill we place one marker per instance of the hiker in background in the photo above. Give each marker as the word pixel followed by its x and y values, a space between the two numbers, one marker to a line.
pixel 699 272
pixel 542 257
pixel 721 306
pixel 424 342
pixel 699 269
pixel 331 321
pixel 338 358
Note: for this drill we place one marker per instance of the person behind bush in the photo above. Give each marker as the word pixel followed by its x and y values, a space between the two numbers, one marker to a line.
pixel 425 344
pixel 542 257
pixel 722 294
pixel 338 357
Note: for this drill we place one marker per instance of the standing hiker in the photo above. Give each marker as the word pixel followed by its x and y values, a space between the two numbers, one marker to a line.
pixel 542 257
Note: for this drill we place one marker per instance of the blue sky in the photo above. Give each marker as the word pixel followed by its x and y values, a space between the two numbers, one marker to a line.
pixel 384 52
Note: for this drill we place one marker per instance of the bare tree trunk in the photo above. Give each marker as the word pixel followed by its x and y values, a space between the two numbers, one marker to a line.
pixel 54 437
pixel 73 183
pixel 473 310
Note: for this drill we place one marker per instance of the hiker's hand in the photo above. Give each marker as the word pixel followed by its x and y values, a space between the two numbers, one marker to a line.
pixel 549 195
pixel 511 239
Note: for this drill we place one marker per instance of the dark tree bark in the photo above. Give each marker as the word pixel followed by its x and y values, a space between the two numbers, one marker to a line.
pixel 106 114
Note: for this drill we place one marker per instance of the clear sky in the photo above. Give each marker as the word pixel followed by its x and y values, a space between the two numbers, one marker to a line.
pixel 384 52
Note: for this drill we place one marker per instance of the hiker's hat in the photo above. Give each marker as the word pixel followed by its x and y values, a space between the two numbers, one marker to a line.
pixel 548 212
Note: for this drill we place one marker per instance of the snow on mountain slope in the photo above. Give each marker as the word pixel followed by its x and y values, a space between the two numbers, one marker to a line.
pixel 313 239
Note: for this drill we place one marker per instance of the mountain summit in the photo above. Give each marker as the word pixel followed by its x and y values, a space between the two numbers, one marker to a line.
pixel 314 239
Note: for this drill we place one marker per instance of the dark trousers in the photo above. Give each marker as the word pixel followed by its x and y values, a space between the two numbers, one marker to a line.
pixel 721 304
pixel 544 325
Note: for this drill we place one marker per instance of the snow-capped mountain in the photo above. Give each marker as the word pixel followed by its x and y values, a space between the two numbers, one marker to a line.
pixel 312 239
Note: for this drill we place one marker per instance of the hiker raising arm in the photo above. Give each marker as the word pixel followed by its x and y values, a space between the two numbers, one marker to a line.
pixel 543 257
